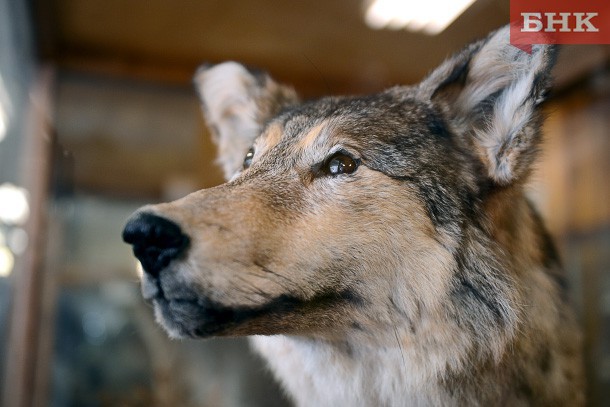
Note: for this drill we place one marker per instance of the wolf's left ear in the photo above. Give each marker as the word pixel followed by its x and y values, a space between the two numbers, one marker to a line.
pixel 236 102
pixel 490 94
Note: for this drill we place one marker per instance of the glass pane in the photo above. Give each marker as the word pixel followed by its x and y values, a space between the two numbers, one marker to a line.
pixel 16 67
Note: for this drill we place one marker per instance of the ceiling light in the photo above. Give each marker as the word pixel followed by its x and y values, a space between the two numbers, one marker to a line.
pixel 428 16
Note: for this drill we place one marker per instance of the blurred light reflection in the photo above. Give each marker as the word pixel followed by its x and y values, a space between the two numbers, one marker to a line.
pixel 4 110
pixel 14 207
pixel 17 240
pixel 94 326
pixel 7 261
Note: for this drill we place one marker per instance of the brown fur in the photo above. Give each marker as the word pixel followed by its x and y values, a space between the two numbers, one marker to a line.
pixel 424 277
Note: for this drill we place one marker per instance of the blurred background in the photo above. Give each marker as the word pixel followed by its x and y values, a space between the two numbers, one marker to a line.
pixel 98 116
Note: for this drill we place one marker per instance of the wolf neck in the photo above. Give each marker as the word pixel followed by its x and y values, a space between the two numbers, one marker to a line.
pixel 319 373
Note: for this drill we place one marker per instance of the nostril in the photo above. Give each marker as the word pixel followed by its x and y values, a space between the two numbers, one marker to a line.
pixel 156 241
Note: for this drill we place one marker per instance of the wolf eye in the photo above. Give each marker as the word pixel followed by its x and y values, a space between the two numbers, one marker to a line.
pixel 248 159
pixel 340 163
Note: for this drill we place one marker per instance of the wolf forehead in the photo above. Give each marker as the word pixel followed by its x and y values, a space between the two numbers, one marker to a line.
pixel 391 132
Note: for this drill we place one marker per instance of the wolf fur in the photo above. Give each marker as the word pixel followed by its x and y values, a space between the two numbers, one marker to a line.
pixel 424 277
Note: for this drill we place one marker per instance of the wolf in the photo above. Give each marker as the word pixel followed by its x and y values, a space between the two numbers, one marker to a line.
pixel 380 250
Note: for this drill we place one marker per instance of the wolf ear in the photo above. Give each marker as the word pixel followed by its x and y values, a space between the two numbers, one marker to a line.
pixel 490 93
pixel 236 103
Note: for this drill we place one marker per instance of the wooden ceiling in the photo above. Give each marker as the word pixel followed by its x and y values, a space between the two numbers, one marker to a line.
pixel 319 46
pixel 126 111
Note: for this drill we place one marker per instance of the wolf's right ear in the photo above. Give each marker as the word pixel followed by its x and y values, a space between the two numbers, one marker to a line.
pixel 236 103
pixel 490 93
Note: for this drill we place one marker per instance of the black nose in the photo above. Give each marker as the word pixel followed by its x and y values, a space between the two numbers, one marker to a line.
pixel 156 241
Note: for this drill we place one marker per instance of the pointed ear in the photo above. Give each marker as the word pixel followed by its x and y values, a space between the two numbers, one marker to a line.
pixel 236 103
pixel 490 93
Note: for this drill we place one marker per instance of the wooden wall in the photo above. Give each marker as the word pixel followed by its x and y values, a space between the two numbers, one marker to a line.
pixel 572 188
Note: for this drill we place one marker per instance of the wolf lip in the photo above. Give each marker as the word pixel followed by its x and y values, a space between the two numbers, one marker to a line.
pixel 193 317
pixel 166 287
pixel 202 317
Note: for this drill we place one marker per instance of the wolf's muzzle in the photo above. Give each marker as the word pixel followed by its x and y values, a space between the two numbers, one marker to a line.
pixel 156 241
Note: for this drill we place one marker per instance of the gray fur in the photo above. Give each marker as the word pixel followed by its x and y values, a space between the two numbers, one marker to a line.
pixel 422 278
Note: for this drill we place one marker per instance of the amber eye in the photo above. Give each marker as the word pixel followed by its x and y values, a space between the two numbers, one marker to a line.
pixel 248 159
pixel 340 163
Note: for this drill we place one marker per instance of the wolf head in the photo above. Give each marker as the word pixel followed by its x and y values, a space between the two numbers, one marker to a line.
pixel 354 216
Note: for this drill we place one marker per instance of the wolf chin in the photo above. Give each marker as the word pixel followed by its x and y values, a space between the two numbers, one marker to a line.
pixel 379 249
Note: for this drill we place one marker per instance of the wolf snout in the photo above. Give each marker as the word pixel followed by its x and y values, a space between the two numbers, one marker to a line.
pixel 156 241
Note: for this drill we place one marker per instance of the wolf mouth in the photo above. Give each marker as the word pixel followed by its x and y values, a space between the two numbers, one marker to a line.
pixel 202 318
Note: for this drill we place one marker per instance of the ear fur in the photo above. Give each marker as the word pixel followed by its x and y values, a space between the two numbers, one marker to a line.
pixel 490 93
pixel 236 103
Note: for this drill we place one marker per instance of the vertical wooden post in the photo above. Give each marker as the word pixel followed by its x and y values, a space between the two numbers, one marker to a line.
pixel 24 321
